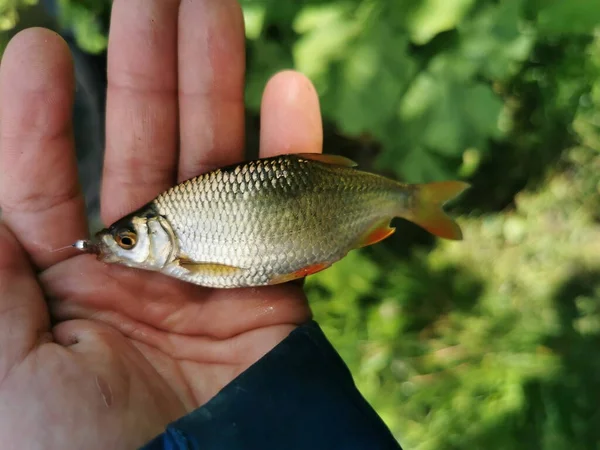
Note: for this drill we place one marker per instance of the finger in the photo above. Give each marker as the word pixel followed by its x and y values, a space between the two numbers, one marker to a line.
pixel 40 195
pixel 165 303
pixel 211 85
pixel 23 314
pixel 290 116
pixel 141 122
pixel 204 347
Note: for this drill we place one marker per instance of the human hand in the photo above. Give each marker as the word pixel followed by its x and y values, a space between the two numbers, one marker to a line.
pixel 128 351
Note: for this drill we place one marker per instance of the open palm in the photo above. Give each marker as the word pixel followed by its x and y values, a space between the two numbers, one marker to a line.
pixel 98 356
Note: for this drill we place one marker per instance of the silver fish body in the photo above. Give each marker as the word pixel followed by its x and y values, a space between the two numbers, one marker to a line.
pixel 260 222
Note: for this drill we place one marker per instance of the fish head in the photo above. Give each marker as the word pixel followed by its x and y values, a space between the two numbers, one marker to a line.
pixel 144 241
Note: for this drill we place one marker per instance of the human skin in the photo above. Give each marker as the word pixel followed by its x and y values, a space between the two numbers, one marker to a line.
pixel 103 356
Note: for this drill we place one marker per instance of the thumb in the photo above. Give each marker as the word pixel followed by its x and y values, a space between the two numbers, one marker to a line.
pixel 24 320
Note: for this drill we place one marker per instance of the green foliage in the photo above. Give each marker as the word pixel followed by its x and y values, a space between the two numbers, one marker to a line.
pixel 491 342
pixel 431 86
pixel 9 12
pixel 9 18
pixel 487 343
pixel 383 72
pixel 82 16
pixel 557 17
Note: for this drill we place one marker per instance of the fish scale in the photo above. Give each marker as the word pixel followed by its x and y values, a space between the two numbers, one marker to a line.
pixel 293 207
pixel 270 220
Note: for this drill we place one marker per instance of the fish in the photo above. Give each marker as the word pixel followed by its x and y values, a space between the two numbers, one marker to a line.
pixel 270 221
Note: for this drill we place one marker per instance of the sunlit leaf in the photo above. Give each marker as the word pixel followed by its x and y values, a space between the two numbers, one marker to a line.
pixel 434 16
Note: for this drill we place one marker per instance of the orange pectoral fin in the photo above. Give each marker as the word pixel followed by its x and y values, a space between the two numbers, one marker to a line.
pixel 304 272
pixel 375 234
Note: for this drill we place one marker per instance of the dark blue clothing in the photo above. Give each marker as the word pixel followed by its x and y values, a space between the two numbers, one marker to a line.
pixel 300 395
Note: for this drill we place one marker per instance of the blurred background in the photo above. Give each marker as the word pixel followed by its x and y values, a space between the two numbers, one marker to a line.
pixel 492 342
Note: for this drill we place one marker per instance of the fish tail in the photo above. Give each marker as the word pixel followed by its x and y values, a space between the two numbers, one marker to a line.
pixel 427 210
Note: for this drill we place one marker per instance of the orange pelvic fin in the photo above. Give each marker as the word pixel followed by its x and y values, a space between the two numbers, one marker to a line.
pixel 304 272
pixel 427 211
pixel 376 233
pixel 208 268
pixel 335 160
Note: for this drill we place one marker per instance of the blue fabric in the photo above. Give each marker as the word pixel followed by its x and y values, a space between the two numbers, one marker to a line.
pixel 300 395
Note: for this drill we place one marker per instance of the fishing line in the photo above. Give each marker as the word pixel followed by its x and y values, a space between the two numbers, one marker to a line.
pixel 61 249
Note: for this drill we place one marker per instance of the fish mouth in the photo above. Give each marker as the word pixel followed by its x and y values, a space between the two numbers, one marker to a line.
pixel 107 257
pixel 102 248
pixel 99 247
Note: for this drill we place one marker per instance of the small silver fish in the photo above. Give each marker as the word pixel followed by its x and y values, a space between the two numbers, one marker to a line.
pixel 269 221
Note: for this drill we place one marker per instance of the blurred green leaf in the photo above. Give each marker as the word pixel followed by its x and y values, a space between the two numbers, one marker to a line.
pixel 434 16
pixel 254 15
pixel 559 17
pixel 9 12
pixel 326 32
pixel 497 40
pixel 83 18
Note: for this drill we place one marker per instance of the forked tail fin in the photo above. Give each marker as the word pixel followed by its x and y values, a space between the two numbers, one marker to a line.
pixel 427 208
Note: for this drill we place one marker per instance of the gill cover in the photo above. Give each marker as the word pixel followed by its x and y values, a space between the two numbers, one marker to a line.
pixel 143 241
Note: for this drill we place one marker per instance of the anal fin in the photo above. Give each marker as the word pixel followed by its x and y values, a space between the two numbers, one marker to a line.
pixel 377 233
pixel 304 272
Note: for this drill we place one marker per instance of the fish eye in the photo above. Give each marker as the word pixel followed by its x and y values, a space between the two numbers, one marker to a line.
pixel 126 239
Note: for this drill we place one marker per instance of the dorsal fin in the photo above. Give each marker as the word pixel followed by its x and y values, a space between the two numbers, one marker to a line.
pixel 336 160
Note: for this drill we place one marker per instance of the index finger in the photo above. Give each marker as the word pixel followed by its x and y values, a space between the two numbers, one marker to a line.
pixel 40 196
pixel 141 110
